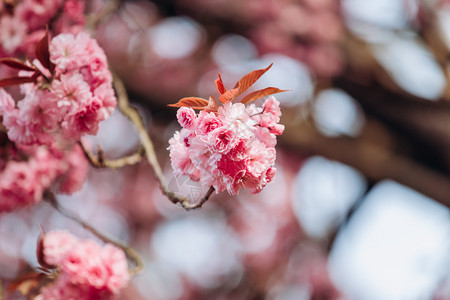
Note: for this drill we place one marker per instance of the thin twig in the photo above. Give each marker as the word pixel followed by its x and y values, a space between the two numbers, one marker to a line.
pixel 50 198
pixel 133 115
pixel 1 290
pixel 101 162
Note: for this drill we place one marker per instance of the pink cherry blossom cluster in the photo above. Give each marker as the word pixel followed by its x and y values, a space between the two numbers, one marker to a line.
pixel 85 269
pixel 229 150
pixel 78 96
pixel 23 22
pixel 23 183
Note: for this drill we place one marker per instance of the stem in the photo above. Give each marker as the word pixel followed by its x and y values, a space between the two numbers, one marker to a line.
pixel 101 162
pixel 146 142
pixel 50 198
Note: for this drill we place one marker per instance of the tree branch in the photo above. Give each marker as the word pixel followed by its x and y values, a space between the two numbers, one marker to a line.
pixel 50 198
pixel 376 162
pixel 133 115
pixel 100 161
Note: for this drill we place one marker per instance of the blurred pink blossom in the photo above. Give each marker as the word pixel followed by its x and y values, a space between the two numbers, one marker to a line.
pixel 87 270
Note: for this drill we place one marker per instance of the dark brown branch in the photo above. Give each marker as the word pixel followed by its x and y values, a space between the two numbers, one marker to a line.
pixel 376 162
pixel 423 123
pixel 133 115
pixel 100 161
pixel 50 198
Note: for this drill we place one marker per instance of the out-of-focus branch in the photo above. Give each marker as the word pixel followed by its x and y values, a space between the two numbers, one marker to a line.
pixel 425 124
pixel 1 290
pixel 133 115
pixel 377 163
pixel 100 161
pixel 50 198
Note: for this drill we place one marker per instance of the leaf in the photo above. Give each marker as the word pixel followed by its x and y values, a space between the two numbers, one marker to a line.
pixel 27 283
pixel 249 79
pixel 229 95
pixel 43 54
pixel 261 93
pixel 212 105
pixel 8 81
pixel 16 64
pixel 219 85
pixel 193 102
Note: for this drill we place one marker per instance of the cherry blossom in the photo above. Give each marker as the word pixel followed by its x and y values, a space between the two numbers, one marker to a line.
pixel 86 269
pixel 22 183
pixel 230 150
pixel 25 22
pixel 79 97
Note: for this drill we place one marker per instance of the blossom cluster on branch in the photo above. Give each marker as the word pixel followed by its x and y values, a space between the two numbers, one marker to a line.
pixel 23 183
pixel 232 146
pixel 83 269
pixel 67 92
pixel 231 150
pixel 68 98
pixel 22 23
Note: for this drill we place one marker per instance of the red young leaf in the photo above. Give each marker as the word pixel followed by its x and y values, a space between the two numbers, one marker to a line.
pixel 15 80
pixel 16 64
pixel 249 79
pixel 230 95
pixel 212 105
pixel 219 85
pixel 43 54
pixel 193 102
pixel 261 93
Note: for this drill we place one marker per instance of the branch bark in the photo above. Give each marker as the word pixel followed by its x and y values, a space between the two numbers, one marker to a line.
pixel 50 198
pixel 100 161
pixel 133 115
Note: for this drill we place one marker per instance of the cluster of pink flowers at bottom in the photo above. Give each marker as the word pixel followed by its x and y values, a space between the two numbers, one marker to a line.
pixel 86 270
pixel 232 149
pixel 23 183
pixel 79 96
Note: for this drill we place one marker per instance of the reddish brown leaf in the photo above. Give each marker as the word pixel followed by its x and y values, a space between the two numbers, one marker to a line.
pixel 27 283
pixel 212 105
pixel 193 102
pixel 261 93
pixel 16 64
pixel 15 80
pixel 229 95
pixel 249 79
pixel 219 85
pixel 43 54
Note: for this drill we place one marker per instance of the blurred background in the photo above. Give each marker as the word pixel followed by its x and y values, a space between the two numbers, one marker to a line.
pixel 359 208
